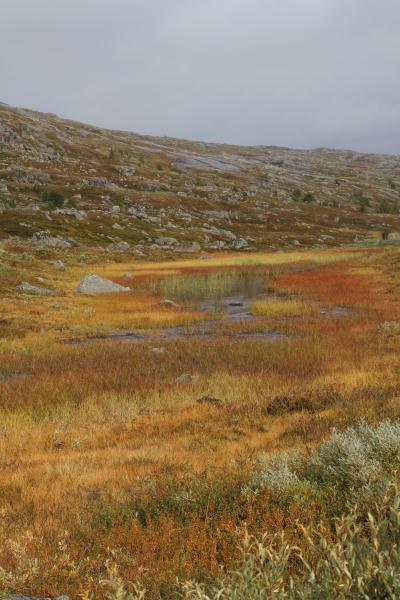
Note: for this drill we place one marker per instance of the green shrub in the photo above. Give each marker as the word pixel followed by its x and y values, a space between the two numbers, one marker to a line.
pixel 53 199
pixel 297 195
pixel 308 197
pixel 282 405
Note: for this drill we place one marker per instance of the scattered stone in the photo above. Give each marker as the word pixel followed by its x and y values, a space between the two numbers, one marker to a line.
pixel 94 284
pixel 127 276
pixel 59 265
pixel 262 428
pixel 121 246
pixel 101 182
pixel 58 444
pixel 126 170
pixel 185 378
pixel 44 238
pixel 166 241
pixel 4 189
pixel 252 191
pixel 193 247
pixel 217 245
pixel 158 350
pixel 34 289
pixel 210 399
pixel 80 215
pixel 239 244
pixel 170 303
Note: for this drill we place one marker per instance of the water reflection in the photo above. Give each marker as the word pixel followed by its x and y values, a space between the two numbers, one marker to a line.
pixel 213 286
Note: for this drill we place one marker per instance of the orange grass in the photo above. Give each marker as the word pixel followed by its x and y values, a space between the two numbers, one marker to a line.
pixel 335 284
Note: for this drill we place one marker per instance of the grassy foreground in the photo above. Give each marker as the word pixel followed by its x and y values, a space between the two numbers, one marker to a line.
pixel 115 480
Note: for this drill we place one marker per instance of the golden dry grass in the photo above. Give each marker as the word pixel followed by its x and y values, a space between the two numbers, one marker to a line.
pixel 283 308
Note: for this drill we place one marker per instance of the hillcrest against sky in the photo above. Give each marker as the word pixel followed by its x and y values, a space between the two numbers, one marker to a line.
pixel 301 73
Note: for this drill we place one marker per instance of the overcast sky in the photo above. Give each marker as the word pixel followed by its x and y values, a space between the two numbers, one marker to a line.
pixel 303 73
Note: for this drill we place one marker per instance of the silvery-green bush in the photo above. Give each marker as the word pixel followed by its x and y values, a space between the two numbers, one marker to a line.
pixel 352 465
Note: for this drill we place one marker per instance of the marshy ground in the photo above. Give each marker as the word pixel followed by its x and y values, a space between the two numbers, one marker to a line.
pixel 106 453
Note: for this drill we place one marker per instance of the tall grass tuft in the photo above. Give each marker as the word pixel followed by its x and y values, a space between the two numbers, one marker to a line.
pixel 212 285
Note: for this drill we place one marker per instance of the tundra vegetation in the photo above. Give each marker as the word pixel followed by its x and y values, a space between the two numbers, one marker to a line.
pixel 229 426
pixel 117 482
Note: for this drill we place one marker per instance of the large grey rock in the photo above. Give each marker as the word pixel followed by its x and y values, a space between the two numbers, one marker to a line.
pixel 28 288
pixel 94 284
pixel 213 163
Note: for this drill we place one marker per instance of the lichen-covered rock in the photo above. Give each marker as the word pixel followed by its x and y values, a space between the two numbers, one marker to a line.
pixel 28 288
pixel 94 284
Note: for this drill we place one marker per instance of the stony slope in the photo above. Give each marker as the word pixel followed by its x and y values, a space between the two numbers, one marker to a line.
pixel 68 184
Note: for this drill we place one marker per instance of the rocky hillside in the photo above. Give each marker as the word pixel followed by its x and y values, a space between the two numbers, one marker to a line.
pixel 66 184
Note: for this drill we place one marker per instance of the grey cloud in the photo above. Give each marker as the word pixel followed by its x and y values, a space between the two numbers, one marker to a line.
pixel 300 73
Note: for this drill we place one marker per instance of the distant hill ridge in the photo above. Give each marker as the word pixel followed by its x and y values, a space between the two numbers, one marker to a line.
pixel 127 192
